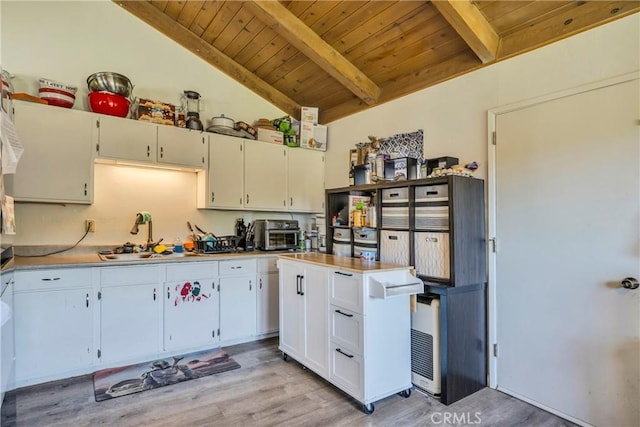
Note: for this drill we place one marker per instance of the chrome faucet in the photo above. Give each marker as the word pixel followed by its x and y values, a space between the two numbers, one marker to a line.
pixel 134 230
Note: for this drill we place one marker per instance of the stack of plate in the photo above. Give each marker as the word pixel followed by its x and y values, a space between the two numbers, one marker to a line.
pixel 58 94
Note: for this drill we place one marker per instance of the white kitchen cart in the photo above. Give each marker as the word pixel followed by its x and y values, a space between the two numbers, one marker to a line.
pixel 349 321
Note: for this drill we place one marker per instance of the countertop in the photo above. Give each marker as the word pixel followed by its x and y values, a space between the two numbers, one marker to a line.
pixel 343 263
pixel 91 259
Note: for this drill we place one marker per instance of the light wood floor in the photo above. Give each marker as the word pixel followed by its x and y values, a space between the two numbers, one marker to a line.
pixel 265 391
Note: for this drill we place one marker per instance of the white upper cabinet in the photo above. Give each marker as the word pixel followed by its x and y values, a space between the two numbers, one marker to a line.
pixel 56 165
pixel 265 176
pixel 222 186
pixel 306 180
pixel 122 139
pixel 182 147
pixel 147 143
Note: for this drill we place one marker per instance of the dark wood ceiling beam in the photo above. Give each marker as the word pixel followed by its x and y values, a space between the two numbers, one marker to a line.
pixel 472 26
pixel 282 21
pixel 148 13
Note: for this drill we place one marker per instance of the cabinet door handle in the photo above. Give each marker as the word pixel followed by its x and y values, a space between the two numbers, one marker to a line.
pixel 301 279
pixel 344 314
pixel 161 152
pixel 213 197
pixel 148 151
pixel 298 284
pixel 168 293
pixel 261 283
pixel 247 199
pixel 154 294
pixel 249 285
pixel 343 274
pixel 350 356
pixel 291 202
pixel 49 279
pixel 85 188
pixel 87 300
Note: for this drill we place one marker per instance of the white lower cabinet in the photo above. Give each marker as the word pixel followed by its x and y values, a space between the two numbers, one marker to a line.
pixel 304 315
pixel 191 305
pixel 130 313
pixel 73 321
pixel 267 296
pixel 53 323
pixel 7 349
pixel 238 299
pixel 368 345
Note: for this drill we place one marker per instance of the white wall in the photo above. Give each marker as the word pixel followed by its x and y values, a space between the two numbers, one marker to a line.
pixel 68 41
pixel 453 114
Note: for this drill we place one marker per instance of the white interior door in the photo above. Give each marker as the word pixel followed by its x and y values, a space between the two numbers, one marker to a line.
pixel 567 222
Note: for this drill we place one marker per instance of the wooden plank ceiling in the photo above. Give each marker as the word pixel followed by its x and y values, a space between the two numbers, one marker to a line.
pixel 347 56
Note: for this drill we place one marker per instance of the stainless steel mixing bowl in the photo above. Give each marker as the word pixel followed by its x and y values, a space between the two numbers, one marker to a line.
pixel 110 82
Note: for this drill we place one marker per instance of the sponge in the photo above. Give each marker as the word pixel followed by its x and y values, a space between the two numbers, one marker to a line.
pixel 159 248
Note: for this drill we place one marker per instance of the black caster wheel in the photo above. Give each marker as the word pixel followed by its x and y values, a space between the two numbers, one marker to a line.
pixel 405 393
pixel 368 409
pixel 285 357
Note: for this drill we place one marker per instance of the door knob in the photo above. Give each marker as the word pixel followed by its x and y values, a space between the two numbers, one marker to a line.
pixel 630 283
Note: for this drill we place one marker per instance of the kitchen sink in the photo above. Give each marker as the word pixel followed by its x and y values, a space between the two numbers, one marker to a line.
pixel 139 256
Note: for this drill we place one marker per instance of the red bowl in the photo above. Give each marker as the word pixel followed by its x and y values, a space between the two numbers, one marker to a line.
pixel 109 103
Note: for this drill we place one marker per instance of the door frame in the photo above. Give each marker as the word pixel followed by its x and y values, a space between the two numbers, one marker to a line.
pixel 493 316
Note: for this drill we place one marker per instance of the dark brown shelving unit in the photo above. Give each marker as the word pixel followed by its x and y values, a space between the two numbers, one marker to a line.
pixel 460 220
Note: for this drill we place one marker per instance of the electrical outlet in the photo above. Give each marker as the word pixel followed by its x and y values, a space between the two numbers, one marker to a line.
pixel 91 225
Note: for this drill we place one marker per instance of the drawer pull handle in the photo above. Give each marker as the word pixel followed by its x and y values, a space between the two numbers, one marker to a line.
pixel 49 279
pixel 350 356
pixel 393 237
pixel 236 267
pixel 431 239
pixel 394 195
pixel 344 314
pixel 432 193
pixel 343 274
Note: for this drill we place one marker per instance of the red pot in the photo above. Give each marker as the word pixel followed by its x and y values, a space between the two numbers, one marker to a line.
pixel 109 103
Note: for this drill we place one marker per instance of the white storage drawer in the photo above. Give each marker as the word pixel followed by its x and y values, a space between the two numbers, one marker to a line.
pixel 342 249
pixel 346 290
pixel 395 195
pixel 432 193
pixel 193 270
pixel 394 247
pixel 268 265
pixel 365 235
pixel 49 278
pixel 347 330
pixel 237 267
pixel 139 274
pixel 432 254
pixel 342 235
pixel 347 371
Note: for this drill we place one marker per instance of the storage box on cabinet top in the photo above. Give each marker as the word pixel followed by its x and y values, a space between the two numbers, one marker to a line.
pixel 313 136
pixel 156 112
pixel 273 136
pixel 441 163
pixel 402 168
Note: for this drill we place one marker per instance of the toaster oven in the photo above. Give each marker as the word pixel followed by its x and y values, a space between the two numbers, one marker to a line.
pixel 276 234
